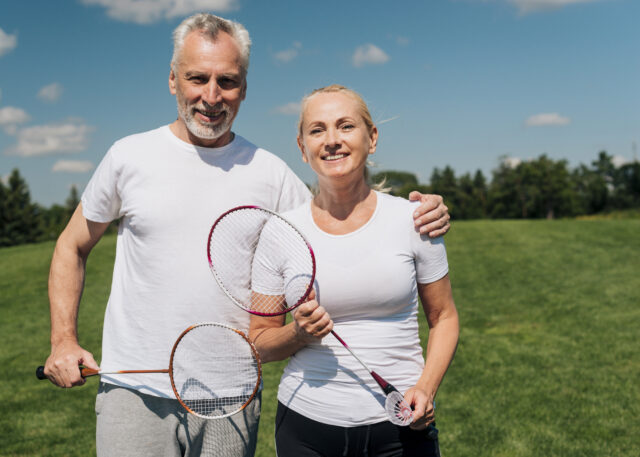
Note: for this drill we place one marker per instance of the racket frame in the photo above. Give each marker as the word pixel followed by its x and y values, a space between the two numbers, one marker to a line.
pixel 248 309
pixel 256 356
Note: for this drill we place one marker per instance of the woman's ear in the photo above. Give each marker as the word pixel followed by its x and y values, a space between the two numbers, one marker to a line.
pixel 301 147
pixel 374 139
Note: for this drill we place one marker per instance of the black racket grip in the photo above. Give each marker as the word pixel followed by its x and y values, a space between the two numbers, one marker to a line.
pixel 40 372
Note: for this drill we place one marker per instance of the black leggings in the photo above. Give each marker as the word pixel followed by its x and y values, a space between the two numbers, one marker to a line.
pixel 299 436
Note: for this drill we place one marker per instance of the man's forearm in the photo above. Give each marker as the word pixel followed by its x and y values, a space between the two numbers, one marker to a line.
pixel 66 281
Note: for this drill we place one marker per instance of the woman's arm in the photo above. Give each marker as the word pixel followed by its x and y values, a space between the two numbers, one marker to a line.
pixel 276 341
pixel 442 316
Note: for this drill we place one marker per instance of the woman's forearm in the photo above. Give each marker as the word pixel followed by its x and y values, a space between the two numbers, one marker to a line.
pixel 276 343
pixel 441 347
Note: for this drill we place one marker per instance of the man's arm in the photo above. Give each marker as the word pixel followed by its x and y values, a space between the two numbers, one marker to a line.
pixel 432 216
pixel 66 281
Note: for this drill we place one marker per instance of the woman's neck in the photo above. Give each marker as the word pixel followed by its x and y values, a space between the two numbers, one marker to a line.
pixel 340 209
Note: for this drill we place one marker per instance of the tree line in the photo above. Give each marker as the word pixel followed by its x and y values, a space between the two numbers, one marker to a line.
pixel 539 188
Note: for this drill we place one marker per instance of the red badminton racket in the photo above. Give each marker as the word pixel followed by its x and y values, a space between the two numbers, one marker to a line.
pixel 265 266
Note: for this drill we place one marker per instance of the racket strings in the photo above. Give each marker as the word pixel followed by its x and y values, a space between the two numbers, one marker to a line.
pixel 214 370
pixel 260 261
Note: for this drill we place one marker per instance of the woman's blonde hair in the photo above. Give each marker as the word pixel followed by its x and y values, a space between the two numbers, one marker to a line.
pixel 364 112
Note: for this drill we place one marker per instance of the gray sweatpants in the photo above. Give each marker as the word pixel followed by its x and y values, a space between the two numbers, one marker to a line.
pixel 130 423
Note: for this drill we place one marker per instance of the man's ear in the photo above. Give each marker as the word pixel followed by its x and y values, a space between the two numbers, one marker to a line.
pixel 301 147
pixel 244 88
pixel 172 82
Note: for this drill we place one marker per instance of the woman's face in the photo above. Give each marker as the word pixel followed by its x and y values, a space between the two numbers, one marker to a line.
pixel 335 140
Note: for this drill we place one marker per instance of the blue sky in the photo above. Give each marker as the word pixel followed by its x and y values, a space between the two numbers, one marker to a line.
pixel 450 82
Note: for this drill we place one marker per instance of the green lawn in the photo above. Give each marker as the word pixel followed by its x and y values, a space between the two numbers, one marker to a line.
pixel 548 362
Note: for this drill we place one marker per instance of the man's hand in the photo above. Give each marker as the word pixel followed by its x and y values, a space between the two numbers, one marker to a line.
pixel 62 365
pixel 432 216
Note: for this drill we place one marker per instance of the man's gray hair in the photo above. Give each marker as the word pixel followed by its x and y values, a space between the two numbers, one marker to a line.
pixel 211 25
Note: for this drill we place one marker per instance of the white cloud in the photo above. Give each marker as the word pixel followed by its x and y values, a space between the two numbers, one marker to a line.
pixel 72 166
pixel 50 93
pixel 511 162
pixel 532 6
pixel 148 11
pixel 402 41
pixel 290 109
pixel 39 140
pixel 289 54
pixel 368 54
pixel 619 160
pixel 11 117
pixel 545 119
pixel 7 42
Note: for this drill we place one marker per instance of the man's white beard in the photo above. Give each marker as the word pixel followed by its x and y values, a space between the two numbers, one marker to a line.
pixel 203 131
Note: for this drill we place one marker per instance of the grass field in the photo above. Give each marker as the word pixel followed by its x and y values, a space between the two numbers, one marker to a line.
pixel 548 362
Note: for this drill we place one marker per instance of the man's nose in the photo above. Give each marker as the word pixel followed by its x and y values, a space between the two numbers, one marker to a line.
pixel 212 93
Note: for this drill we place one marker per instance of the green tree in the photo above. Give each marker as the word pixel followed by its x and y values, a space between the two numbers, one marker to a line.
pixel 22 221
pixel 532 189
pixel 400 183
pixel 444 183
pixel 471 196
pixel 626 185
pixel 504 196
pixel 72 201
pixel 591 190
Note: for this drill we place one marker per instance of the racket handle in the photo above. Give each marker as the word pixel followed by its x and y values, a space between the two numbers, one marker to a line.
pixel 84 372
pixel 386 387
pixel 40 372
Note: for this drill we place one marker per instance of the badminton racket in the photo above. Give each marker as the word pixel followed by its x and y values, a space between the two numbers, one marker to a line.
pixel 266 267
pixel 214 370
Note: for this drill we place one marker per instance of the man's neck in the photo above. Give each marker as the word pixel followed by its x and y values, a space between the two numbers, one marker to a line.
pixel 183 133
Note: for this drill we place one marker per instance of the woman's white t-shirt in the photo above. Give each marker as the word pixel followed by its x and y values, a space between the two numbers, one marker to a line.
pixel 367 281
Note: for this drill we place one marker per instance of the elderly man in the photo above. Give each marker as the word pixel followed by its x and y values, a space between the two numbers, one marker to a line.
pixel 168 185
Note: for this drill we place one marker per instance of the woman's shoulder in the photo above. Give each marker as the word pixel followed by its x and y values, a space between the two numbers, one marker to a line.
pixel 397 205
pixel 297 214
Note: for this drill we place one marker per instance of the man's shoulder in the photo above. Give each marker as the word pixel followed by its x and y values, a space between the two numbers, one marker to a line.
pixel 261 154
pixel 141 137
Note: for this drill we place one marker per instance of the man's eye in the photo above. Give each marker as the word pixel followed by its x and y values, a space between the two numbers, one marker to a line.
pixel 228 83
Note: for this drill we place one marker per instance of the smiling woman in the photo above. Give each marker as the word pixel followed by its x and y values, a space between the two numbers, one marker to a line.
pixel 371 267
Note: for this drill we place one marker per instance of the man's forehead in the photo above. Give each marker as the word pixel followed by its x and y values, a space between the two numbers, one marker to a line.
pixel 200 53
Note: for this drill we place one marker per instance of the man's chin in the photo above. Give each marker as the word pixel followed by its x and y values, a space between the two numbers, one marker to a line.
pixel 205 132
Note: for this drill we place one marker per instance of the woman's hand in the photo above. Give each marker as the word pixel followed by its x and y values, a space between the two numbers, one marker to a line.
pixel 311 321
pixel 422 404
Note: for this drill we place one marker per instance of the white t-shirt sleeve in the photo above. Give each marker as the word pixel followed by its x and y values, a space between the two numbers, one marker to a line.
pixel 100 199
pixel 267 263
pixel 430 256
pixel 293 193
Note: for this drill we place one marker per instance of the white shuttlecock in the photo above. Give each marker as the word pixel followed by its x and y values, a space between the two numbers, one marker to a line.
pixel 398 410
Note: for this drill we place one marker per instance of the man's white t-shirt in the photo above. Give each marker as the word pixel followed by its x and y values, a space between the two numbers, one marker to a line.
pixel 367 281
pixel 168 194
